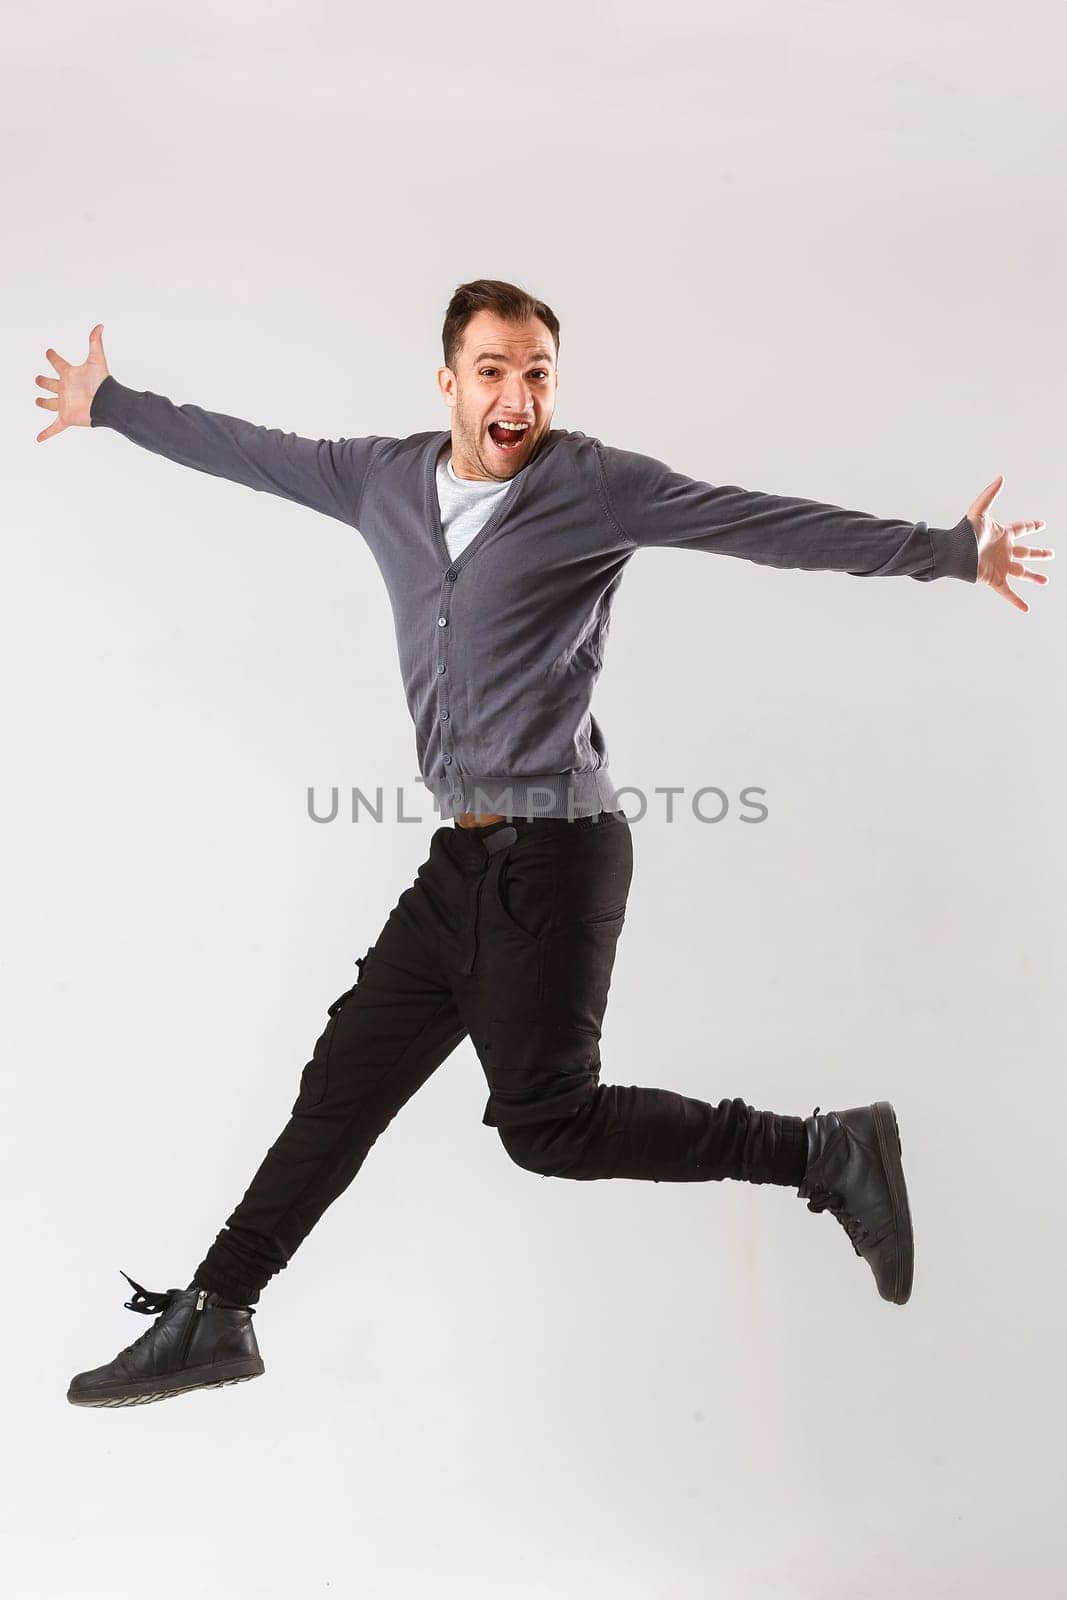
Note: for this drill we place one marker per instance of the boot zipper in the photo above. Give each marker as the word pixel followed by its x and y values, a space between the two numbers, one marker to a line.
pixel 190 1325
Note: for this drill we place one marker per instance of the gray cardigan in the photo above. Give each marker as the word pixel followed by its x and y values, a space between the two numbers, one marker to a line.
pixel 500 649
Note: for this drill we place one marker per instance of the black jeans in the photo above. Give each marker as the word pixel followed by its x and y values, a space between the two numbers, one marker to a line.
pixel 508 935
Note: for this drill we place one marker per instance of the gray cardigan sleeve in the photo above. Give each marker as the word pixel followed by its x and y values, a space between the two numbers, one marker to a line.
pixel 653 505
pixel 326 475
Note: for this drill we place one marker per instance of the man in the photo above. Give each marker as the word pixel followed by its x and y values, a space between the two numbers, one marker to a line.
pixel 502 542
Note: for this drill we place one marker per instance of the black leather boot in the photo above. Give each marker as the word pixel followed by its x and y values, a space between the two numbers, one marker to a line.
pixel 200 1341
pixel 853 1169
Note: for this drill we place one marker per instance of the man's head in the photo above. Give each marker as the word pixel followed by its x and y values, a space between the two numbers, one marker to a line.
pixel 500 347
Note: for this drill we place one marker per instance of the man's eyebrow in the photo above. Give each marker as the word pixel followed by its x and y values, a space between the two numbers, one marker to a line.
pixel 494 355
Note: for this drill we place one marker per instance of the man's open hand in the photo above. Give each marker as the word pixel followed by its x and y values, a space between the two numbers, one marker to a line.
pixel 999 557
pixel 75 386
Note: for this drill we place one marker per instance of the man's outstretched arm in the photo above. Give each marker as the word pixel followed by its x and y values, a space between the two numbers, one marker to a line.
pixel 326 475
pixel 654 505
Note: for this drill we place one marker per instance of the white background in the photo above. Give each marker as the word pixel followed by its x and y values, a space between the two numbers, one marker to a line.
pixel 816 251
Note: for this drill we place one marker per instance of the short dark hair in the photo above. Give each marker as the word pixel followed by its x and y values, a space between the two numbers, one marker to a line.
pixel 490 294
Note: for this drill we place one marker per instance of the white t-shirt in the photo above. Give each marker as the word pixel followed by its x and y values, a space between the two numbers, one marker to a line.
pixel 466 503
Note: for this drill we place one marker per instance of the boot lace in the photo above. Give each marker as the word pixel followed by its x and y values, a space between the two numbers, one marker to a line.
pixel 823 1199
pixel 149 1301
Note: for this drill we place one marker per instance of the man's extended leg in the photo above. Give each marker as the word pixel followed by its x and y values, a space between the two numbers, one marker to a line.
pixel 384 1038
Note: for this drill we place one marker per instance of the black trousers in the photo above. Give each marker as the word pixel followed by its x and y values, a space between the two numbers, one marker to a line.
pixel 508 934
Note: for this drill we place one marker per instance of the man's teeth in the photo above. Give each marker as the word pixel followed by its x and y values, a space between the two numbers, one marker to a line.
pixel 516 427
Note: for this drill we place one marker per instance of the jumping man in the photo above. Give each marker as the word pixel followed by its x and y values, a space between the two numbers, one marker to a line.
pixel 502 542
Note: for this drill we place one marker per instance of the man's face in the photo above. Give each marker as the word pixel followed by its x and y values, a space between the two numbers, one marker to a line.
pixel 505 371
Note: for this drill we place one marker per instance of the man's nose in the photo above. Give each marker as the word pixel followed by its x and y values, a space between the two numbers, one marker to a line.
pixel 516 398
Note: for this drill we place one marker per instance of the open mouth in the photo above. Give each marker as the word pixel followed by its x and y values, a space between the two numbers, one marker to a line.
pixel 506 439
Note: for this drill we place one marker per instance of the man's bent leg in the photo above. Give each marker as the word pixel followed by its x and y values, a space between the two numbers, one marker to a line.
pixel 624 1131
pixel 555 907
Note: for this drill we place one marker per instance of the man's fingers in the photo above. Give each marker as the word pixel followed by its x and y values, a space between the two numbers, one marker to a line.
pixel 57 361
pixel 49 405
pixel 1017 570
pixel 57 427
pixel 983 501
pixel 1009 594
pixel 1031 552
pixel 48 383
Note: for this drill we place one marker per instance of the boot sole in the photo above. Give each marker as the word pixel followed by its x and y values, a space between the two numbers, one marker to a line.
pixel 146 1390
pixel 885 1121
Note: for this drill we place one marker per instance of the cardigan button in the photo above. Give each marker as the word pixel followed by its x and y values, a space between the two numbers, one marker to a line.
pixel 450 575
pixel 442 622
pixel 447 760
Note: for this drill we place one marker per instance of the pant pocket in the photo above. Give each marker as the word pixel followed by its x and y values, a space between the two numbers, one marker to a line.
pixel 537 1070
pixel 314 1080
pixel 524 894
